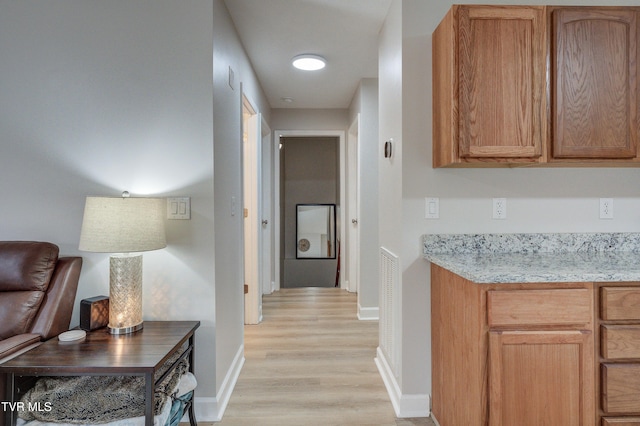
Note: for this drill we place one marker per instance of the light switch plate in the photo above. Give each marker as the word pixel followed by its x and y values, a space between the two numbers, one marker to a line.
pixel 179 208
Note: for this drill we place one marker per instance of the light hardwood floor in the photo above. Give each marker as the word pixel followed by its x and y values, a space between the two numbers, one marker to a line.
pixel 311 362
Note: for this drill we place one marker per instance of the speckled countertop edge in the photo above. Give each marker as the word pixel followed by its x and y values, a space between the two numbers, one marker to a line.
pixel 531 243
pixel 527 258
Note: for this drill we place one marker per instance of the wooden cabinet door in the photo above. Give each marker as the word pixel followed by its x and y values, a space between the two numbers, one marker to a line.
pixel 502 85
pixel 594 73
pixel 541 378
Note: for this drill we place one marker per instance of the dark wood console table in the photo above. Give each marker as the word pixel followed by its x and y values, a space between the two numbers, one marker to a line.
pixel 102 354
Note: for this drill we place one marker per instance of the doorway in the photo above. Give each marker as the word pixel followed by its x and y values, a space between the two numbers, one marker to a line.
pixel 310 165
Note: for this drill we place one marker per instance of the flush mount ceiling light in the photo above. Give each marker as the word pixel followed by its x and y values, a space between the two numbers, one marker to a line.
pixel 308 62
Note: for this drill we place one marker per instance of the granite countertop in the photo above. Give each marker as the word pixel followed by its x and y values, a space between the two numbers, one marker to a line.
pixel 527 258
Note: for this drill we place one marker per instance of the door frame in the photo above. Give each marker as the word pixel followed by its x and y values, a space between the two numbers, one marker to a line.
pixel 268 269
pixel 341 216
pixel 252 210
pixel 352 246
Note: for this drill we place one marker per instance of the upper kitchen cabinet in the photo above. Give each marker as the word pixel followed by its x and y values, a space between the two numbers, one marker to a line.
pixel 489 86
pixel 536 85
pixel 594 83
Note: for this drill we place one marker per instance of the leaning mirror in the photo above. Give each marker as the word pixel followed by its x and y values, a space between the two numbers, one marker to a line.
pixel 316 231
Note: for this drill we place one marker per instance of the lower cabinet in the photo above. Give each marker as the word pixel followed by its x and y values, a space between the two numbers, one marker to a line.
pixel 540 355
pixel 538 378
pixel 534 354
pixel 512 354
pixel 619 353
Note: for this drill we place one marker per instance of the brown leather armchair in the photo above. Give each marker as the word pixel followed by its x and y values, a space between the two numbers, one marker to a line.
pixel 37 294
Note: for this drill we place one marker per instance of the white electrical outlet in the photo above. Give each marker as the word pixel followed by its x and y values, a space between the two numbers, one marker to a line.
pixel 606 208
pixel 499 208
pixel 432 208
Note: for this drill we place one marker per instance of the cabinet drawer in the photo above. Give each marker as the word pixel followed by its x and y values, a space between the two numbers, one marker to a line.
pixel 620 388
pixel 621 421
pixel 620 303
pixel 620 341
pixel 539 307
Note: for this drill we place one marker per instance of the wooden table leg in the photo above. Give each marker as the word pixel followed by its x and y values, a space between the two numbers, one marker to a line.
pixel 149 386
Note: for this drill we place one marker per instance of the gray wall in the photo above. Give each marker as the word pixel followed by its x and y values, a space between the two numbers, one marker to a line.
pixel 310 176
pixel 365 103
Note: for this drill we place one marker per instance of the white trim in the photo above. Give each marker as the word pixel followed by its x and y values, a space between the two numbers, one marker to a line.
pixel 342 156
pixel 405 406
pixel 212 409
pixel 206 410
pixel 267 196
pixel 275 210
pixel 352 206
pixel 368 314
pixel 252 203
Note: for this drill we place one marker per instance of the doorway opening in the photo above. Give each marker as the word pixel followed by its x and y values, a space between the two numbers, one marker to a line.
pixel 310 165
pixel 309 177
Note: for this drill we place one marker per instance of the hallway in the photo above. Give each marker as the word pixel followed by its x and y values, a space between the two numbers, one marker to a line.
pixel 311 362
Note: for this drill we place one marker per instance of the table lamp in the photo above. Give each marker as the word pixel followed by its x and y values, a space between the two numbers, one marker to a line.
pixel 123 226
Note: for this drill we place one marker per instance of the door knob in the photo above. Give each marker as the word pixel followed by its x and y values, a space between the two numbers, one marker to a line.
pixel 354 221
pixel 265 221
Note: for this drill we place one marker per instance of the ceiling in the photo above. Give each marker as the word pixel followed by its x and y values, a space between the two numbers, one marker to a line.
pixel 345 32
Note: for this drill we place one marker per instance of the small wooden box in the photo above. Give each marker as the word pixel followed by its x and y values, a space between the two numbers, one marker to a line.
pixel 94 312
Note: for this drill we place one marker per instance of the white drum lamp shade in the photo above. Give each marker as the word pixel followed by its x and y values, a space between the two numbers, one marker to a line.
pixel 125 227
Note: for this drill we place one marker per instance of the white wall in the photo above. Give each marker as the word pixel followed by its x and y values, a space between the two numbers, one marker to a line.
pixel 365 103
pixel 101 97
pixel 228 227
pixel 309 119
pixel 538 200
pixel 410 383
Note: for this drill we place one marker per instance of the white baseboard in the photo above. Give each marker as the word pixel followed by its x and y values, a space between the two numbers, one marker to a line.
pixel 212 409
pixel 404 405
pixel 205 410
pixel 368 314
pixel 270 289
